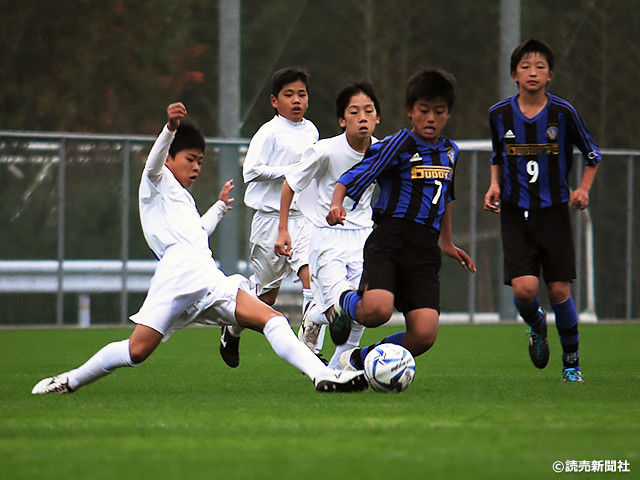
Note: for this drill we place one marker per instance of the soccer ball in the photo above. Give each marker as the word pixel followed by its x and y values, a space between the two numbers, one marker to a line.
pixel 389 368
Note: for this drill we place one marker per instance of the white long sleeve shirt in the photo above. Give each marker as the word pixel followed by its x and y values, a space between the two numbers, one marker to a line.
pixel 315 177
pixel 168 212
pixel 273 149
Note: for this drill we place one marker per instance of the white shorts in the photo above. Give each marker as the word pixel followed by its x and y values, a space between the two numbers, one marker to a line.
pixel 188 288
pixel 270 269
pixel 335 260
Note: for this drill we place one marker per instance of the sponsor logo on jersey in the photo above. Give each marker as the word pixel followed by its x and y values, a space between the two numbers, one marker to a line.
pixel 415 158
pixel 509 135
pixel 532 149
pixel 431 172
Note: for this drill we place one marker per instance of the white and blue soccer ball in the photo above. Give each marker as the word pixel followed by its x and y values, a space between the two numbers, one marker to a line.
pixel 389 368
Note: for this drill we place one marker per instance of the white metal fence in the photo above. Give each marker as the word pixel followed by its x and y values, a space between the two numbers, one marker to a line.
pixel 69 228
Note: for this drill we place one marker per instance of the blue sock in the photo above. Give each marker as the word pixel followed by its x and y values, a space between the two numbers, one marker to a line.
pixel 395 338
pixel 530 315
pixel 567 324
pixel 349 302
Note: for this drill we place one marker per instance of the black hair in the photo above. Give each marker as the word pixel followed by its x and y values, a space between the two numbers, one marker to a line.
pixel 287 75
pixel 531 46
pixel 342 100
pixel 187 137
pixel 431 84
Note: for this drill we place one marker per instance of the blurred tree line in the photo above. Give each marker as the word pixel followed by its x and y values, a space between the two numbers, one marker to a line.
pixel 113 65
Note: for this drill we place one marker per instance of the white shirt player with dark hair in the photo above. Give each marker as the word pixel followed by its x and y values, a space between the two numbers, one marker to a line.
pixel 335 253
pixel 273 150
pixel 179 237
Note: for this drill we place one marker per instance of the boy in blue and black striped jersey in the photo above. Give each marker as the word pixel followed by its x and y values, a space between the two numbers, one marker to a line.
pixel 533 135
pixel 414 169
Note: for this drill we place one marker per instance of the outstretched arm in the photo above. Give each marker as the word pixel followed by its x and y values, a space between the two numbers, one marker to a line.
pixel 212 217
pixel 337 213
pixel 160 149
pixel 175 112
pixel 283 243
pixel 447 245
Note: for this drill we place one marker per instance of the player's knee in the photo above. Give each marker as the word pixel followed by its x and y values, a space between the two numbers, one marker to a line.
pixel 139 352
pixel 422 342
pixel 373 314
pixel 269 297
pixel 428 339
pixel 559 292
pixel 525 294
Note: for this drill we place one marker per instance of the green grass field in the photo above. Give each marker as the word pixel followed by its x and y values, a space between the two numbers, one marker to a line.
pixel 477 409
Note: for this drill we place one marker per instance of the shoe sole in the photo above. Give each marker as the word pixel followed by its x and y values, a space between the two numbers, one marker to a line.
pixel 232 360
pixel 356 384
pixel 340 327
pixel 539 362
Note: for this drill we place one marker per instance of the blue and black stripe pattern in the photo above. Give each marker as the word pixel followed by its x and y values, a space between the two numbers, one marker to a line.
pixel 537 153
pixel 415 177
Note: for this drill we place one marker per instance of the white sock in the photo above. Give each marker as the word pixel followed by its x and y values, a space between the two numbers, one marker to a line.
pixel 106 360
pixel 352 342
pixel 288 347
pixel 307 297
pixel 320 342
pixel 316 316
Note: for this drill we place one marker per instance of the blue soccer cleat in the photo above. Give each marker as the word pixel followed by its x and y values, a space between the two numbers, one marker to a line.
pixel 572 374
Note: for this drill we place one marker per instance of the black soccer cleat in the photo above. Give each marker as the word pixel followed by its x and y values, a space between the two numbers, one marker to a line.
pixel 229 348
pixel 538 344
pixel 342 381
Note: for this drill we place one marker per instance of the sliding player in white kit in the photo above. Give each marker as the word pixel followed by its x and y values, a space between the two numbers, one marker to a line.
pixel 273 149
pixel 335 253
pixel 187 286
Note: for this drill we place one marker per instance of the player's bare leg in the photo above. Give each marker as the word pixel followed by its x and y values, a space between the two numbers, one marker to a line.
pixel 525 293
pixel 125 353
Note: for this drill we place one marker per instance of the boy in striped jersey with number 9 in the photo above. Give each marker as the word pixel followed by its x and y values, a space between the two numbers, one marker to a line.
pixel 414 169
pixel 533 134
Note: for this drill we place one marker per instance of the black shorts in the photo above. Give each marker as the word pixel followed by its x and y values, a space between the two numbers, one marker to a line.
pixel 404 258
pixel 535 239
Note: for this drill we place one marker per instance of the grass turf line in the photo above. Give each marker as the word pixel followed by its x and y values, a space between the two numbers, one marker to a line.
pixel 477 409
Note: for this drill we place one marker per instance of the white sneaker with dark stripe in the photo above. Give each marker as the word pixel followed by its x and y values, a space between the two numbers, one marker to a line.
pixel 309 332
pixel 57 384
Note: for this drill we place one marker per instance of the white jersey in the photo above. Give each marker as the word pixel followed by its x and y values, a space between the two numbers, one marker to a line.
pixel 314 179
pixel 186 281
pixel 273 149
pixel 168 212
